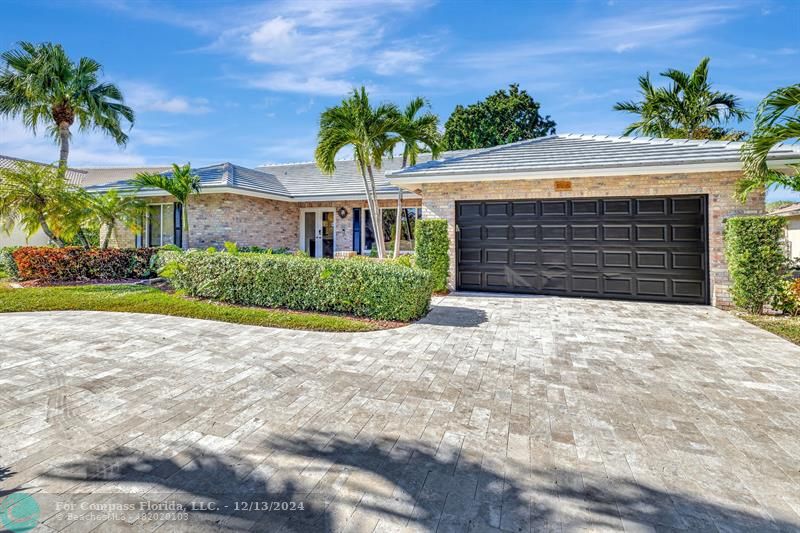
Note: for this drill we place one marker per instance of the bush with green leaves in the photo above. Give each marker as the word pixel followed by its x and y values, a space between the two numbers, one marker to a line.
pixel 756 258
pixel 8 268
pixel 432 250
pixel 363 288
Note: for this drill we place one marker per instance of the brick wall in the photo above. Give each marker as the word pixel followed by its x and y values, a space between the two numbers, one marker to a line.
pixel 439 202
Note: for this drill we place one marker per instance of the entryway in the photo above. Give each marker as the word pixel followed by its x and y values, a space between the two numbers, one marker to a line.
pixel 317 229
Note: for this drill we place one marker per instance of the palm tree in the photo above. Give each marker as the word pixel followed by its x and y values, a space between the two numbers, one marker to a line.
pixel 688 107
pixel 416 134
pixel 44 86
pixel 777 120
pixel 652 111
pixel 368 131
pixel 180 183
pixel 35 197
pixel 111 209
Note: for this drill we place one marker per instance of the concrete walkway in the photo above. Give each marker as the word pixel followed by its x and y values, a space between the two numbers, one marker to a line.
pixel 509 413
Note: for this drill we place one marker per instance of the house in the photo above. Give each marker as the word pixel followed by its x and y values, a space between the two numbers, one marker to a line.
pixel 17 236
pixel 792 215
pixel 574 215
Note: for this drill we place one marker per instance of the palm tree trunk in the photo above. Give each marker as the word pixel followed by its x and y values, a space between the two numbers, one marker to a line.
pixel 370 201
pixel 185 224
pixel 84 240
pixel 398 223
pixel 47 231
pixel 375 212
pixel 63 136
pixel 108 236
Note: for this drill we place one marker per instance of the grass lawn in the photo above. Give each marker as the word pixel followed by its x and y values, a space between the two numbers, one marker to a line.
pixel 787 327
pixel 144 299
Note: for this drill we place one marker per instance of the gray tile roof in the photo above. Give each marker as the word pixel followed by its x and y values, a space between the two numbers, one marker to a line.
pixel 787 211
pixel 74 176
pixel 587 152
pixel 294 181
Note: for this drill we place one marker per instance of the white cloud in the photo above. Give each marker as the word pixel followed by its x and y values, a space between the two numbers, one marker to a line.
pixel 294 83
pixel 144 96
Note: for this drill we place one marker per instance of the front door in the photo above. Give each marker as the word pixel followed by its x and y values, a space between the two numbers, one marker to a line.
pixel 317 229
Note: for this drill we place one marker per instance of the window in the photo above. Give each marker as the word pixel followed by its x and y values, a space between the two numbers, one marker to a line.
pixel 409 216
pixel 159 226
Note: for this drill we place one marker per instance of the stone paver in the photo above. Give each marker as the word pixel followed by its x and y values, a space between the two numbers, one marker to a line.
pixel 494 413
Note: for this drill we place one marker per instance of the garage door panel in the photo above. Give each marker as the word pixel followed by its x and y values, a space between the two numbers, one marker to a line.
pixel 554 233
pixel 632 248
pixel 497 257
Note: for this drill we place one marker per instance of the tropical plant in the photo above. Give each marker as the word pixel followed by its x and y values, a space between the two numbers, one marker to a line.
pixel 368 130
pixel 418 134
pixel 503 117
pixel 180 183
pixel 777 120
pixel 111 209
pixel 35 197
pixel 687 108
pixel 44 86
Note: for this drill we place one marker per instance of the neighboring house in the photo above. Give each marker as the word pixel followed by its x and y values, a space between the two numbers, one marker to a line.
pixel 17 236
pixel 792 215
pixel 576 215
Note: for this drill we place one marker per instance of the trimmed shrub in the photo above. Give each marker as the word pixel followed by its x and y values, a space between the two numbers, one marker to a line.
pixel 432 250
pixel 76 264
pixel 756 259
pixel 362 288
pixel 8 268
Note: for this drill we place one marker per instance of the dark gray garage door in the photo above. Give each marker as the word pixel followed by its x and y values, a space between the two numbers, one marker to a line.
pixel 650 248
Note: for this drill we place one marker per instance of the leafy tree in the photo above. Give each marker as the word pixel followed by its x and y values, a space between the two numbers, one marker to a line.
pixel 418 134
pixel 777 120
pixel 778 204
pixel 687 108
pixel 44 86
pixel 502 118
pixel 35 197
pixel 111 209
pixel 368 130
pixel 180 183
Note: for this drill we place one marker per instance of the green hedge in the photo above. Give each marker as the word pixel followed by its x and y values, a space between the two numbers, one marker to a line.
pixel 756 259
pixel 357 287
pixel 8 267
pixel 433 250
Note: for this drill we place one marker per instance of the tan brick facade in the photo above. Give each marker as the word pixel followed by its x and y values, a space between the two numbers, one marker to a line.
pixel 439 202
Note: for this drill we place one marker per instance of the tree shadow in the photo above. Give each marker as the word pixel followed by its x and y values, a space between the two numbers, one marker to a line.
pixel 208 484
pixel 381 483
pixel 454 316
pixel 7 473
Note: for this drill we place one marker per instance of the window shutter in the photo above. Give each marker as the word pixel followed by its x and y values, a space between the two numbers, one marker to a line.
pixel 140 234
pixel 356 214
pixel 178 223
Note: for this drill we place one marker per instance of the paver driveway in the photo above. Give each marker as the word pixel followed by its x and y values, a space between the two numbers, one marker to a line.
pixel 495 412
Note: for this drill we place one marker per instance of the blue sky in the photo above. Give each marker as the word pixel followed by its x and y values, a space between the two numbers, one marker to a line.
pixel 245 82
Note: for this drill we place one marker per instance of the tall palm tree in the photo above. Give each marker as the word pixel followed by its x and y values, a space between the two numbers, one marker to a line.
pixel 35 197
pixel 111 209
pixel 180 183
pixel 777 120
pixel 417 133
pixel 688 107
pixel 44 86
pixel 368 130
